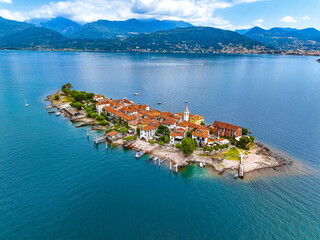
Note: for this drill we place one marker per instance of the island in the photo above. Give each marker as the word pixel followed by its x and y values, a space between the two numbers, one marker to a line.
pixel 175 139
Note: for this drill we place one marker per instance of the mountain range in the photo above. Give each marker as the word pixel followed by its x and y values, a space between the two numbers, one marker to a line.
pixel 286 38
pixel 150 35
pixel 105 29
pixel 185 38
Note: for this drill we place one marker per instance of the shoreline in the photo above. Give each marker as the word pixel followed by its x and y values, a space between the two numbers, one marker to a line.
pixel 284 53
pixel 259 158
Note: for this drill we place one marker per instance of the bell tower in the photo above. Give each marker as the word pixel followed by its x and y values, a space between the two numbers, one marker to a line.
pixel 186 114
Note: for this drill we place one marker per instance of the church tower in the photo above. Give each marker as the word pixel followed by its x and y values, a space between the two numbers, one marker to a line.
pixel 186 114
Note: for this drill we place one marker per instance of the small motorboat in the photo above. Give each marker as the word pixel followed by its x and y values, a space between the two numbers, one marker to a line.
pixel 236 176
pixel 25 100
pixel 139 154
pixel 201 164
pixel 51 111
pixel 58 113
pixel 204 164
pixel 151 157
pixel 159 102
pixel 162 161
pixel 155 159
pixel 186 101
pixel 136 94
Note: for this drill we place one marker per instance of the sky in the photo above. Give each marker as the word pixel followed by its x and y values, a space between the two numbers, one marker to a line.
pixel 225 14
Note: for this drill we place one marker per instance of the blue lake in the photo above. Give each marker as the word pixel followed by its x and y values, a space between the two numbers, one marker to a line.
pixel 55 184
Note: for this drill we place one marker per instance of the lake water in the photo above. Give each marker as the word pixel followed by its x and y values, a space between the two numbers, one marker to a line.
pixel 55 184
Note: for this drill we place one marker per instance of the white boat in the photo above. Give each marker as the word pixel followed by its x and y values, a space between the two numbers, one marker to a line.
pixel 186 101
pixel 201 164
pixel 26 102
pixel 58 113
pixel 136 94
pixel 139 154
pixel 151 157
pixel 155 158
pixel 159 102
pixel 236 176
pixel 162 161
pixel 204 164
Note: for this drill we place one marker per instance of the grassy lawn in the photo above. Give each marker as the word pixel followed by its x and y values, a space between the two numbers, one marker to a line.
pixel 68 99
pixel 231 154
pixel 130 138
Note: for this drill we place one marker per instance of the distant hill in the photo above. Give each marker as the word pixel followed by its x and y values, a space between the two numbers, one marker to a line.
pixel 242 31
pixel 10 27
pixel 61 25
pixel 105 29
pixel 34 38
pixel 193 39
pixel 287 38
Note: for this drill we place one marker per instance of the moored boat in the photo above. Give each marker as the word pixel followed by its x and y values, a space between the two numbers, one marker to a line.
pixel 162 161
pixel 201 164
pixel 51 111
pixel 151 157
pixel 139 154
pixel 58 113
pixel 159 102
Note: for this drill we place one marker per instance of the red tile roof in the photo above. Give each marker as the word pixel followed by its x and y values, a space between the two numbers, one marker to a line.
pixel 169 121
pixel 224 125
pixel 148 128
pixel 112 133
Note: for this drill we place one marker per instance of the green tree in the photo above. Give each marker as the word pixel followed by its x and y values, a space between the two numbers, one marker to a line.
pixel 77 105
pixel 243 142
pixel 244 131
pixel 178 145
pixel 162 130
pixel 123 130
pixel 189 135
pixel 100 118
pixel 57 97
pixel 138 131
pixel 188 146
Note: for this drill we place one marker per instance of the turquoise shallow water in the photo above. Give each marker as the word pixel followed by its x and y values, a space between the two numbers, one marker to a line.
pixel 55 184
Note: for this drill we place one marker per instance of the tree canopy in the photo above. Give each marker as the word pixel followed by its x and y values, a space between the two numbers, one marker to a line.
pixel 188 146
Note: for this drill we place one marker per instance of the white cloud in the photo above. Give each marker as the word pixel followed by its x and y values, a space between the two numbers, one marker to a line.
pixel 11 15
pixel 258 22
pixel 5 1
pixel 288 19
pixel 197 12
pixel 306 17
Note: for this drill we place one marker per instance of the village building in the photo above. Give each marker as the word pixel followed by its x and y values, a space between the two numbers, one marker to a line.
pixel 176 137
pixel 133 124
pixel 226 129
pixel 197 119
pixel 113 135
pixel 147 133
pixel 98 97
pixel 201 136
pixel 169 123
pixel 222 141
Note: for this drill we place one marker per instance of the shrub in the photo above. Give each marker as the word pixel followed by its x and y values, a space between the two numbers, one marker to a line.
pixel 100 118
pixel 130 138
pixel 77 105
pixel 57 97
pixel 123 130
pixel 152 141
